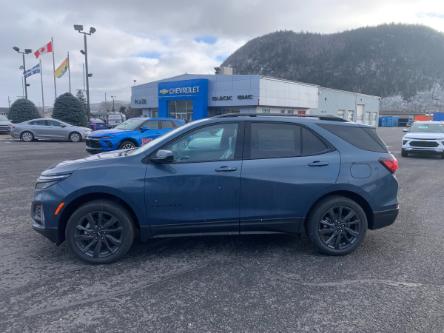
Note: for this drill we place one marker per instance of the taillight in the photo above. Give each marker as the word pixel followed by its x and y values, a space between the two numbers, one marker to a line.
pixel 391 163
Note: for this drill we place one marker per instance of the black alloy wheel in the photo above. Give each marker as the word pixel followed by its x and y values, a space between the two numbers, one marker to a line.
pixel 337 225
pixel 100 232
pixel 339 228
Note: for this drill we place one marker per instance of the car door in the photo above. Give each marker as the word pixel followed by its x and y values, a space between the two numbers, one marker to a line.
pixel 39 128
pixel 56 130
pixel 199 191
pixel 150 130
pixel 286 167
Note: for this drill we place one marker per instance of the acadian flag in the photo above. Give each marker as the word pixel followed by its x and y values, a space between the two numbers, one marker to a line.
pixel 63 67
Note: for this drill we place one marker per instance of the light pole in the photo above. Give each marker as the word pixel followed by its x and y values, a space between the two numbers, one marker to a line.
pixel 79 29
pixel 113 101
pixel 25 51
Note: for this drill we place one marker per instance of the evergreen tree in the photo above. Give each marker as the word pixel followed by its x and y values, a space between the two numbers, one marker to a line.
pixel 22 110
pixel 81 97
pixel 70 109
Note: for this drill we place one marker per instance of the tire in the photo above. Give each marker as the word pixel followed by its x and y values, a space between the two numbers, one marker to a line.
pixel 127 144
pixel 100 232
pixel 404 153
pixel 329 218
pixel 75 137
pixel 27 136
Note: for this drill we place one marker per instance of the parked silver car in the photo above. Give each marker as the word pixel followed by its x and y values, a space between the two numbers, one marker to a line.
pixel 4 124
pixel 48 129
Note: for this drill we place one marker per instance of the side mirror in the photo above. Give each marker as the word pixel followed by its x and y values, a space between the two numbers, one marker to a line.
pixel 144 129
pixel 405 130
pixel 163 156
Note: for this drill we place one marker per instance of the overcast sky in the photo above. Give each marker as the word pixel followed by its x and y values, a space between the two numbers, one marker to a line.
pixel 145 40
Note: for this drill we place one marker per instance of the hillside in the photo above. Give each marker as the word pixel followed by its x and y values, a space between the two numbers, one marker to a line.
pixel 386 60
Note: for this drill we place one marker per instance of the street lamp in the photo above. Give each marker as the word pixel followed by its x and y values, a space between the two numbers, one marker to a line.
pixel 113 101
pixel 79 29
pixel 25 51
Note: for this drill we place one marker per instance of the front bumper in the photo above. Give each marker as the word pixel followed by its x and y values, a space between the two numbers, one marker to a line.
pixel 95 146
pixel 51 234
pixel 423 146
pixel 384 218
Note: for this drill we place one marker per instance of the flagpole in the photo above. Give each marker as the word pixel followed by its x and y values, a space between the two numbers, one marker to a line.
pixel 69 73
pixel 41 83
pixel 53 69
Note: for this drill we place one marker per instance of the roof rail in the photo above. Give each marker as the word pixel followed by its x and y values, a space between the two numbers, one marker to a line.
pixel 330 118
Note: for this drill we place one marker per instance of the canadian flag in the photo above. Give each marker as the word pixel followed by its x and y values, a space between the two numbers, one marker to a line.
pixel 44 49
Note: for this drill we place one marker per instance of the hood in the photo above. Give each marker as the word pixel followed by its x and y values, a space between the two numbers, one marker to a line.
pixel 420 135
pixel 5 122
pixel 105 132
pixel 72 165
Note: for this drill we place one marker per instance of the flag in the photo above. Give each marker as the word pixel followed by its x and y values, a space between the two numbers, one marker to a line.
pixel 32 71
pixel 63 67
pixel 47 48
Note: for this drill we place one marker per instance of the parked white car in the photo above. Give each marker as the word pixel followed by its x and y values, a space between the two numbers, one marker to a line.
pixel 4 124
pixel 424 137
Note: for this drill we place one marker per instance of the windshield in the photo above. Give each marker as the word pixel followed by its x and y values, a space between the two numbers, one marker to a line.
pixel 130 124
pixel 427 128
pixel 2 118
pixel 162 138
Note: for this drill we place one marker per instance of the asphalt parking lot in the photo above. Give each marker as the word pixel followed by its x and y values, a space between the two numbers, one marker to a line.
pixel 393 283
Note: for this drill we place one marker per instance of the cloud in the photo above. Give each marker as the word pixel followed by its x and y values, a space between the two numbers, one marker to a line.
pixel 149 40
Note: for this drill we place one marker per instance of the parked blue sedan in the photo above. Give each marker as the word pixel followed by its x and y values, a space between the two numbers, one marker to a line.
pixel 134 132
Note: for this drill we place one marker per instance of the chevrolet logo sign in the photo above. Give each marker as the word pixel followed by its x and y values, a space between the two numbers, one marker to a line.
pixel 163 91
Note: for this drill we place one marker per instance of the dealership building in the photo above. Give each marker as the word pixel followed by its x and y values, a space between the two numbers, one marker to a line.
pixel 193 96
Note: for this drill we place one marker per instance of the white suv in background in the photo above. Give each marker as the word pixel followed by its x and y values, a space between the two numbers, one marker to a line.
pixel 424 136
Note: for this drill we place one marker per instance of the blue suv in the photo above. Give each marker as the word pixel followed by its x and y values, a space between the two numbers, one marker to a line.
pixel 134 132
pixel 231 174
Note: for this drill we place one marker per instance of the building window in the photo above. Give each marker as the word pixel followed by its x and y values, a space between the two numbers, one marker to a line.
pixel 181 109
pixel 266 110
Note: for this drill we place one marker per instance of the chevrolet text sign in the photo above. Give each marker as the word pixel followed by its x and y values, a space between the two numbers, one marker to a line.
pixel 180 91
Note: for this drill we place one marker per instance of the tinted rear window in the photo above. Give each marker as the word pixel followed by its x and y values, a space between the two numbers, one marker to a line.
pixel 361 137
pixel 274 140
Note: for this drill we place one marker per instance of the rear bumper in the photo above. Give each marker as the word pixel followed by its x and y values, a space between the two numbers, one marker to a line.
pixel 384 218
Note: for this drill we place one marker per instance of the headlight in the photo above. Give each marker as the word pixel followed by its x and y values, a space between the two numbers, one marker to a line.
pixel 49 180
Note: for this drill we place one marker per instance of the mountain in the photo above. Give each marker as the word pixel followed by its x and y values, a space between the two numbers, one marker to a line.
pixel 386 60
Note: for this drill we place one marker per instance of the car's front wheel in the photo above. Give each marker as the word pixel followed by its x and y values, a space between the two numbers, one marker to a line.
pixel 404 153
pixel 127 145
pixel 75 137
pixel 27 136
pixel 100 232
pixel 337 225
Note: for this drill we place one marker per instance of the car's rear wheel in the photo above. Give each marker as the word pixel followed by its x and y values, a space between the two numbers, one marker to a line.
pixel 337 225
pixel 75 137
pixel 127 145
pixel 27 136
pixel 404 153
pixel 100 232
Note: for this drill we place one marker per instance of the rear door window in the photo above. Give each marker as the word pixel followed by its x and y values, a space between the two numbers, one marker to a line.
pixel 274 140
pixel 151 124
pixel 168 124
pixel 364 138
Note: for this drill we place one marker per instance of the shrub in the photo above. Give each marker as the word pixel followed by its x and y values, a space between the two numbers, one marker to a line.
pixel 70 109
pixel 22 110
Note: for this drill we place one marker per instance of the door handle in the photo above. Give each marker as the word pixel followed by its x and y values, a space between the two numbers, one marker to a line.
pixel 318 164
pixel 225 168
